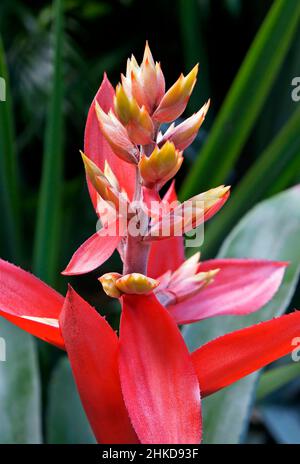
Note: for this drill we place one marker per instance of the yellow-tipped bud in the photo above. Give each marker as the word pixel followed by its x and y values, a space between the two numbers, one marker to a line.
pixel 185 133
pixel 186 288
pixel 136 283
pixel 152 78
pixel 206 277
pixel 145 83
pixel 190 214
pixel 122 105
pixel 161 165
pixel 100 181
pixel 189 82
pixel 137 120
pixel 212 196
pixel 175 100
pixel 108 282
pixel 110 176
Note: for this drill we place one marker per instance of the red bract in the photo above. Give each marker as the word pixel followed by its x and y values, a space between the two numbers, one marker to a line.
pixel 29 303
pixel 157 374
pixel 93 350
pixel 144 386
pixel 225 360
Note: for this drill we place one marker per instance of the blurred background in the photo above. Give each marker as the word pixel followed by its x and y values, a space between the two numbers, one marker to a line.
pixel 53 56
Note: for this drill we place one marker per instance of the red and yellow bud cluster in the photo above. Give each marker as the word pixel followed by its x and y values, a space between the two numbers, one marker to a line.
pixel 160 166
pixel 140 105
pixel 145 83
pixel 115 285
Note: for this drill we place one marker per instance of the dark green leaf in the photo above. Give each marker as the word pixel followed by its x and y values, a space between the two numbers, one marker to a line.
pixel 191 24
pixel 47 240
pixel 245 98
pixel 9 178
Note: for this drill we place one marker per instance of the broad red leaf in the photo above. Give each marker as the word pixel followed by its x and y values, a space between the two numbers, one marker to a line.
pixel 159 385
pixel 29 303
pixel 227 359
pixel 92 347
pixel 242 286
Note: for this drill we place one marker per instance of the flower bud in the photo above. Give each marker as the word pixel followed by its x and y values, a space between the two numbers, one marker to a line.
pixel 136 283
pixel 190 214
pixel 137 120
pixel 116 135
pixel 160 166
pixel 153 80
pixel 185 282
pixel 184 134
pixel 122 105
pixel 110 176
pixel 101 183
pixel 145 83
pixel 175 100
pixel 108 282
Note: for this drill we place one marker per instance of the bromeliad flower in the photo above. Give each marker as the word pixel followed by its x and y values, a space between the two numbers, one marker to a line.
pixel 144 386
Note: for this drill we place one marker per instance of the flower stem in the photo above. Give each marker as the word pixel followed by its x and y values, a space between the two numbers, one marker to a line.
pixel 137 251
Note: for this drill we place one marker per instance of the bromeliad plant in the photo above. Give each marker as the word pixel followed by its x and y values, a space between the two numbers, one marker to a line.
pixel 144 386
